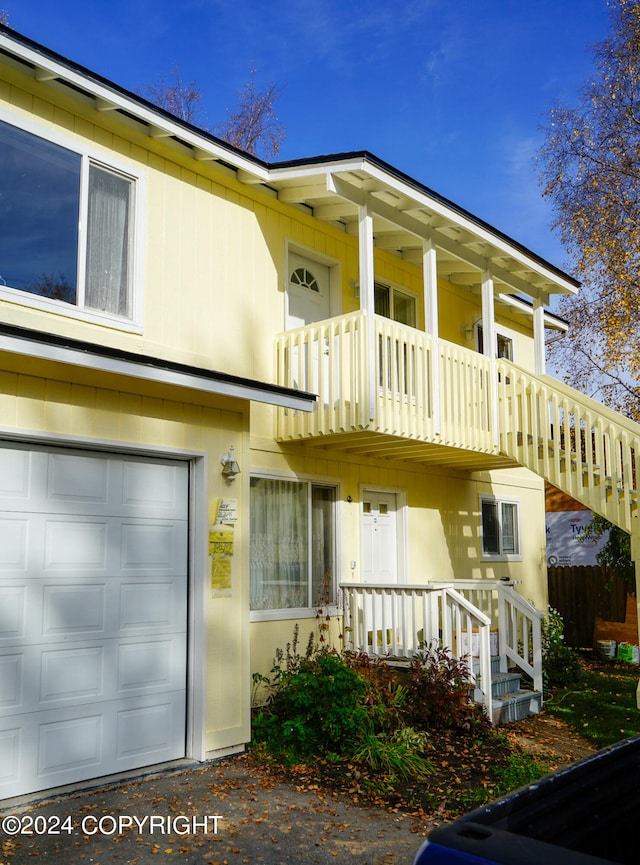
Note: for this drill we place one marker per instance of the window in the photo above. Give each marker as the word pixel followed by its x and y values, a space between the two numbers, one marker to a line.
pixel 395 304
pixel 293 544
pixel 65 225
pixel 500 529
pixel 504 344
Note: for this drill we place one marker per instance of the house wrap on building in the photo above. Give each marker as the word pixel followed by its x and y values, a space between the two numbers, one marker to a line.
pixel 369 354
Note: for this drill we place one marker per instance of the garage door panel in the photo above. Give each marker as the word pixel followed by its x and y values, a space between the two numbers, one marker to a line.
pixel 13 544
pixel 156 548
pixel 13 612
pixel 69 744
pixel 15 470
pixel 153 604
pixel 150 488
pixel 148 731
pixel 12 675
pixel 93 615
pixel 77 479
pixel 150 665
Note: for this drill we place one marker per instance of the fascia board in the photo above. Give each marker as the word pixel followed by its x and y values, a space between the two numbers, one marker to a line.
pixel 155 371
pixel 108 98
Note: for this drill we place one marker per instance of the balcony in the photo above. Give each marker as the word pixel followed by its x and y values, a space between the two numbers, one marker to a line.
pixel 387 389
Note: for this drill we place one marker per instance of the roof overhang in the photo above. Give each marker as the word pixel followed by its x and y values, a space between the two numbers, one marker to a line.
pixel 44 346
pixel 331 188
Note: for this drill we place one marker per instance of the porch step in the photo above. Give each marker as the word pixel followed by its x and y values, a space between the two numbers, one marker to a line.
pixel 510 701
pixel 516 706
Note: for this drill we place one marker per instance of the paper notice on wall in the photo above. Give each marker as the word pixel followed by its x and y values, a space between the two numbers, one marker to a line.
pixel 221 548
pixel 227 512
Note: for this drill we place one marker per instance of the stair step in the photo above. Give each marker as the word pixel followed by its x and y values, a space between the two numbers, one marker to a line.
pixel 516 706
pixel 505 683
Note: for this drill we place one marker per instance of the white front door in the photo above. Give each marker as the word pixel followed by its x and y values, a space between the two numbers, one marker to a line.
pixel 93 615
pixel 379 537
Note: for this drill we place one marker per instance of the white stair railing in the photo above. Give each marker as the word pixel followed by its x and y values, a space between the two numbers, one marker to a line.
pixel 518 623
pixel 400 621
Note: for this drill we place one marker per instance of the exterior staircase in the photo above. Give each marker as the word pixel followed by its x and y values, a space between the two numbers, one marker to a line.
pixel 581 447
pixel 509 700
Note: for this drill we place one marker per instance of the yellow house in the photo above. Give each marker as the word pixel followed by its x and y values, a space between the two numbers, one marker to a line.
pixel 236 396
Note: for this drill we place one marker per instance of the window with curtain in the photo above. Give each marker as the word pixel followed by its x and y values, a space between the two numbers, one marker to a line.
pixel 500 528
pixel 292 563
pixel 45 198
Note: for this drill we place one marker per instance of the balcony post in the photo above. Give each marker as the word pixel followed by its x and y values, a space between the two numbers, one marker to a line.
pixel 367 296
pixel 538 332
pixel 430 279
pixel 489 349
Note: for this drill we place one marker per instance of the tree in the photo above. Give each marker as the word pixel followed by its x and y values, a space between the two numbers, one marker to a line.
pixel 253 126
pixel 177 97
pixel 4 17
pixel 590 169
pixel 616 552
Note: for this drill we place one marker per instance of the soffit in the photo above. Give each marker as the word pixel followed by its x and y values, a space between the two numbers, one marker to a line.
pixel 404 215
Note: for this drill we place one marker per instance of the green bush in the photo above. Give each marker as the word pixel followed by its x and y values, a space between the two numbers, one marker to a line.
pixel 317 709
pixel 561 665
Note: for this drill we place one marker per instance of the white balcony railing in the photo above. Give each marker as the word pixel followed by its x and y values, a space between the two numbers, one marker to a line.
pixel 388 378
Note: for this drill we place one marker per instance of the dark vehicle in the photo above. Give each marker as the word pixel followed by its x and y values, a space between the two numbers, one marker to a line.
pixel 586 814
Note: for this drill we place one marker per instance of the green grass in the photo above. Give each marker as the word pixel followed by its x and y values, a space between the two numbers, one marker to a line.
pixel 603 707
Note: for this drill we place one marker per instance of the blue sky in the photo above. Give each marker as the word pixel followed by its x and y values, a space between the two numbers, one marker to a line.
pixel 451 92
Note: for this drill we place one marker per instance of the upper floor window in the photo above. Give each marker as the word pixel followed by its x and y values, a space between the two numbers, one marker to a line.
pixel 500 528
pixel 504 344
pixel 394 304
pixel 65 225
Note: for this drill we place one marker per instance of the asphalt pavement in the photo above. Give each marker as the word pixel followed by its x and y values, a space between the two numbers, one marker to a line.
pixel 230 812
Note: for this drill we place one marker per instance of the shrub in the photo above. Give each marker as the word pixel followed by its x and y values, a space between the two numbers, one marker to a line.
pixel 438 695
pixel 394 755
pixel 316 709
pixel 560 664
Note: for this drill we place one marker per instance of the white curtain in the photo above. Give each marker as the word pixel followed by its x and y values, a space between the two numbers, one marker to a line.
pixel 108 242
pixel 279 544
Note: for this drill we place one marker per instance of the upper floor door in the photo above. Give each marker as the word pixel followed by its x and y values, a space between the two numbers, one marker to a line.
pixel 307 291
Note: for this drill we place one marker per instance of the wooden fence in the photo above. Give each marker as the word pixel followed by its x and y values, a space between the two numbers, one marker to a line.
pixel 583 594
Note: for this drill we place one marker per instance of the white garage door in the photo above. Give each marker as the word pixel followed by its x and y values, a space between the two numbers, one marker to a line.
pixel 93 613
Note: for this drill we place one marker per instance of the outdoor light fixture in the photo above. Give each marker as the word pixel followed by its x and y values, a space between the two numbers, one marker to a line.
pixel 230 467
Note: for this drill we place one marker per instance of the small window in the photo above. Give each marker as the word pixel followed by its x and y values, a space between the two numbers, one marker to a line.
pixel 504 344
pixel 303 277
pixel 395 304
pixel 500 528
pixel 47 191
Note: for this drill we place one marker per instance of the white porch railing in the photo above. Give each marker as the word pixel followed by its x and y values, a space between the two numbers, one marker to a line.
pixel 399 621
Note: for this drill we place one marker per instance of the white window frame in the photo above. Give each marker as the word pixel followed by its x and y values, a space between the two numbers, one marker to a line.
pixel 90 155
pixel 271 615
pixel 500 335
pixel 501 555
pixel 394 290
